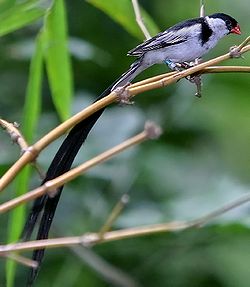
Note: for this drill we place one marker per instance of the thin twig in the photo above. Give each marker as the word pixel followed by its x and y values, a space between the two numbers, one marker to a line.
pixel 151 131
pixel 207 70
pixel 114 214
pixel 202 8
pixel 90 239
pixel 111 273
pixel 21 259
pixel 226 69
pixel 244 43
pixel 17 137
pixel 170 78
pixel 32 152
pixel 227 207
pixel 139 19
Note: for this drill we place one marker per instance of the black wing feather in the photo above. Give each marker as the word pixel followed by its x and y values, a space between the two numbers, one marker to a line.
pixel 177 34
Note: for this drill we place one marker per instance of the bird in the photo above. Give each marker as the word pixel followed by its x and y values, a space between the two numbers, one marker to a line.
pixel 184 42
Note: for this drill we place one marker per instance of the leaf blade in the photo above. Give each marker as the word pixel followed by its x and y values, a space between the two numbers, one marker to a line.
pixel 57 58
pixel 122 12
pixel 19 16
pixel 31 114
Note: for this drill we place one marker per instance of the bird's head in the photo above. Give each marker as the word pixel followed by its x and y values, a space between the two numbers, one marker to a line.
pixel 224 23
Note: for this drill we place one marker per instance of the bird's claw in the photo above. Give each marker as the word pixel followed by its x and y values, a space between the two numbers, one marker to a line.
pixel 196 79
pixel 235 52
pixel 183 65
pixel 186 65
pixel 123 96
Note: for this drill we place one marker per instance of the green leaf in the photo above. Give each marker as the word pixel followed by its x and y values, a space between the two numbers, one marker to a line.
pixel 123 13
pixel 31 114
pixel 57 58
pixel 33 95
pixel 16 222
pixel 7 4
pixel 19 16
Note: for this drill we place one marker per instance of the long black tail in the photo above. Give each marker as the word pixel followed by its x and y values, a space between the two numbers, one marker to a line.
pixel 62 163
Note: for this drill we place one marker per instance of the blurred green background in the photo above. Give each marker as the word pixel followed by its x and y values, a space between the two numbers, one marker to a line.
pixel 201 162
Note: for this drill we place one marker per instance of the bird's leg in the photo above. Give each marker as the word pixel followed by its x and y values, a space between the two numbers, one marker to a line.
pixel 195 78
pixel 172 66
pixel 186 65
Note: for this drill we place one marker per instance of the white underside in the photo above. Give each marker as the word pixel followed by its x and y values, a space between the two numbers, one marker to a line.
pixel 184 52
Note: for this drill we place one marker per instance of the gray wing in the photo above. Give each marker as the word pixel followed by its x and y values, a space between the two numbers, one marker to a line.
pixel 167 38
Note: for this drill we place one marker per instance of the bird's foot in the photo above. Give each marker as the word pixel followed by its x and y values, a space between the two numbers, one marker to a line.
pixel 235 52
pixel 181 66
pixel 123 96
pixel 186 65
pixel 196 79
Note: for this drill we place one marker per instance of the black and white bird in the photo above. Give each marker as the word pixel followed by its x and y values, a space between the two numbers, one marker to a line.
pixel 183 42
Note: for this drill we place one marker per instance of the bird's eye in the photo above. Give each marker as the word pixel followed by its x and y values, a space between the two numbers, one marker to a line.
pixel 229 25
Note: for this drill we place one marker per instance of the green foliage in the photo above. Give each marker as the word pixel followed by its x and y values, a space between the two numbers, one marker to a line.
pixel 51 45
pixel 122 12
pixel 55 45
pixel 16 222
pixel 33 94
pixel 16 16
pixel 30 115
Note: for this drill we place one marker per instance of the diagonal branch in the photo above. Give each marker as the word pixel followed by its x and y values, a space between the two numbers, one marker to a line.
pixel 151 131
pixel 202 8
pixel 169 78
pixel 114 214
pixel 179 75
pixel 90 239
pixel 21 260
pixel 207 70
pixel 17 137
pixel 139 19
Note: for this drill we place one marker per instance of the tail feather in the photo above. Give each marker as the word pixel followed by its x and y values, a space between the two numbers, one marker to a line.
pixel 74 139
pixel 62 163
pixel 135 69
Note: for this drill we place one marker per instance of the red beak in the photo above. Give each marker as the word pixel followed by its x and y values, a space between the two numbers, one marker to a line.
pixel 236 30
